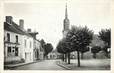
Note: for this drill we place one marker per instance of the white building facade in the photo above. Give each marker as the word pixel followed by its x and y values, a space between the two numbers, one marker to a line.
pixel 12 46
pixel 18 43
pixel 40 50
pixel 12 42
pixel 27 50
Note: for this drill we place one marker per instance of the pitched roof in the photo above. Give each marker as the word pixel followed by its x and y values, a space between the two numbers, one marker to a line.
pixel 15 28
pixel 18 28
pixel 10 28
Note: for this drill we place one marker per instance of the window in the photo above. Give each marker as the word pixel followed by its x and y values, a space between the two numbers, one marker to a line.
pixel 16 38
pixel 16 51
pixel 8 37
pixel 25 43
pixel 30 44
pixel 13 50
pixel 9 49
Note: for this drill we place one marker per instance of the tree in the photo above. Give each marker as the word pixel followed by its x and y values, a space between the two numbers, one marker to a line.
pixel 83 51
pixel 43 43
pixel 48 48
pixel 105 35
pixel 68 46
pixel 60 48
pixel 79 37
pixel 63 47
pixel 95 50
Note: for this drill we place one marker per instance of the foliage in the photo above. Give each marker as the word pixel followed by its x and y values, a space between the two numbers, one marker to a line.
pixel 48 48
pixel 105 35
pixel 95 49
pixel 80 37
pixel 63 46
pixel 43 43
pixel 76 40
pixel 60 47
pixel 85 49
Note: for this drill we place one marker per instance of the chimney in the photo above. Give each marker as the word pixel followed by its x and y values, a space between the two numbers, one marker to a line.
pixel 9 19
pixel 21 23
pixel 29 30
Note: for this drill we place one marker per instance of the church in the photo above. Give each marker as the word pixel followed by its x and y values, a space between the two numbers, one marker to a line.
pixel 66 27
pixel 66 23
pixel 96 40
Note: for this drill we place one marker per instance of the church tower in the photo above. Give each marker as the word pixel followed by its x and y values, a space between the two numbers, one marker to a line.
pixel 66 23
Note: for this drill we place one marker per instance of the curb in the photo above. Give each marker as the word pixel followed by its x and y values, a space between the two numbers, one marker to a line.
pixel 63 66
pixel 9 67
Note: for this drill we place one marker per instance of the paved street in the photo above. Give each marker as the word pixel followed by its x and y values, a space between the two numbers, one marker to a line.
pixel 91 64
pixel 43 65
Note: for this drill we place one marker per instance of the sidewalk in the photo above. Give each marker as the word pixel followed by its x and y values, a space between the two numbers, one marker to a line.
pixel 20 64
pixel 63 64
pixel 94 64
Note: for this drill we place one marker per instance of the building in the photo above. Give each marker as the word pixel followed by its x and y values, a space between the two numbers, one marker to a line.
pixel 12 41
pixel 52 55
pixel 19 44
pixel 27 48
pixel 26 42
pixel 66 26
pixel 66 23
pixel 41 50
pixel 38 50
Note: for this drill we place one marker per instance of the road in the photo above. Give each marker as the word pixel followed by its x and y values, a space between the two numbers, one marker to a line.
pixel 43 65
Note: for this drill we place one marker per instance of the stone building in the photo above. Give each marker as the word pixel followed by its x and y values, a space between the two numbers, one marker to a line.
pixel 38 50
pixel 19 45
pixel 12 41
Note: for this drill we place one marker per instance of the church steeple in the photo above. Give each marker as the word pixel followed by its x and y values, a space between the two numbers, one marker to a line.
pixel 66 15
pixel 66 22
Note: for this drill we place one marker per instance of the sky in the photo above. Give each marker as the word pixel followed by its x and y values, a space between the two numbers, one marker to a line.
pixel 46 16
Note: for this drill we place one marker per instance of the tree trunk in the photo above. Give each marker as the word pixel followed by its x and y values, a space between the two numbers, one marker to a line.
pixel 66 57
pixel 94 55
pixel 78 56
pixel 62 57
pixel 69 58
pixel 82 55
